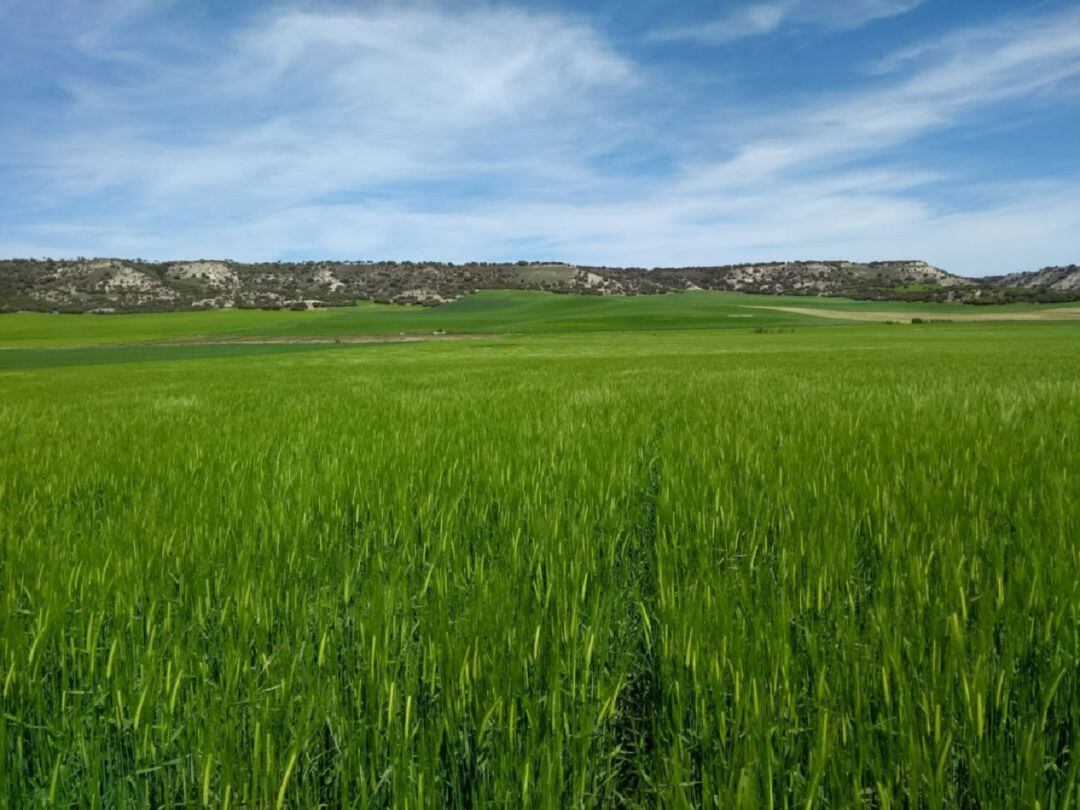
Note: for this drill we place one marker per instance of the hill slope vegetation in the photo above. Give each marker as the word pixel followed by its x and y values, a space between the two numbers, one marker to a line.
pixel 120 285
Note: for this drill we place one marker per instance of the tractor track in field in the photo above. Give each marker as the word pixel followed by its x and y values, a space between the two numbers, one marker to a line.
pixel 315 340
pixel 250 340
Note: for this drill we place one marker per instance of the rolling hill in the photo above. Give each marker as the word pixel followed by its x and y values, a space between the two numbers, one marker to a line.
pixel 120 285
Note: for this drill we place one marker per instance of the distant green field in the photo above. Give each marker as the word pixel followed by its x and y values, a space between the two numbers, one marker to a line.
pixel 484 312
pixel 622 553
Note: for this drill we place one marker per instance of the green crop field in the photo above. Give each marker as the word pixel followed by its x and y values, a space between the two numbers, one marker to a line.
pixel 482 313
pixel 614 552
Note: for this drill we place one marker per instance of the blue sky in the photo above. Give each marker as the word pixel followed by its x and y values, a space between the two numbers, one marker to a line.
pixel 624 133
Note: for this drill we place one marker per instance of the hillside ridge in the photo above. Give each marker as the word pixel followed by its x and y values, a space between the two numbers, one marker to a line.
pixel 105 285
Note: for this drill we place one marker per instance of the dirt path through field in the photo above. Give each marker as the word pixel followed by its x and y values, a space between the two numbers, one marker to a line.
pixel 254 340
pixel 1056 314
pixel 278 341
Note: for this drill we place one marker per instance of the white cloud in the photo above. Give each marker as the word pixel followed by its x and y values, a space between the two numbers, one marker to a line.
pixel 747 21
pixel 309 103
pixel 757 19
pixel 940 92
pixel 855 216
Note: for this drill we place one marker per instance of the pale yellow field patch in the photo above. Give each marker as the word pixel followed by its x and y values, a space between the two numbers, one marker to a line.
pixel 1055 314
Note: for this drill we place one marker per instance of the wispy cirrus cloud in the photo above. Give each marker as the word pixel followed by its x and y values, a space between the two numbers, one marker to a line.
pixel 934 90
pixel 297 108
pixel 344 98
pixel 759 18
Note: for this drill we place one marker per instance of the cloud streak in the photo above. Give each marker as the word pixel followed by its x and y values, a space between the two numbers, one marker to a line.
pixel 758 19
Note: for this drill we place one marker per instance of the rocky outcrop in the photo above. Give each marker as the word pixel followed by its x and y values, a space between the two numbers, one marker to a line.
pixel 1063 279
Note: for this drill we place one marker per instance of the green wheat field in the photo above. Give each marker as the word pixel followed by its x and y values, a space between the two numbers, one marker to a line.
pixel 667 552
